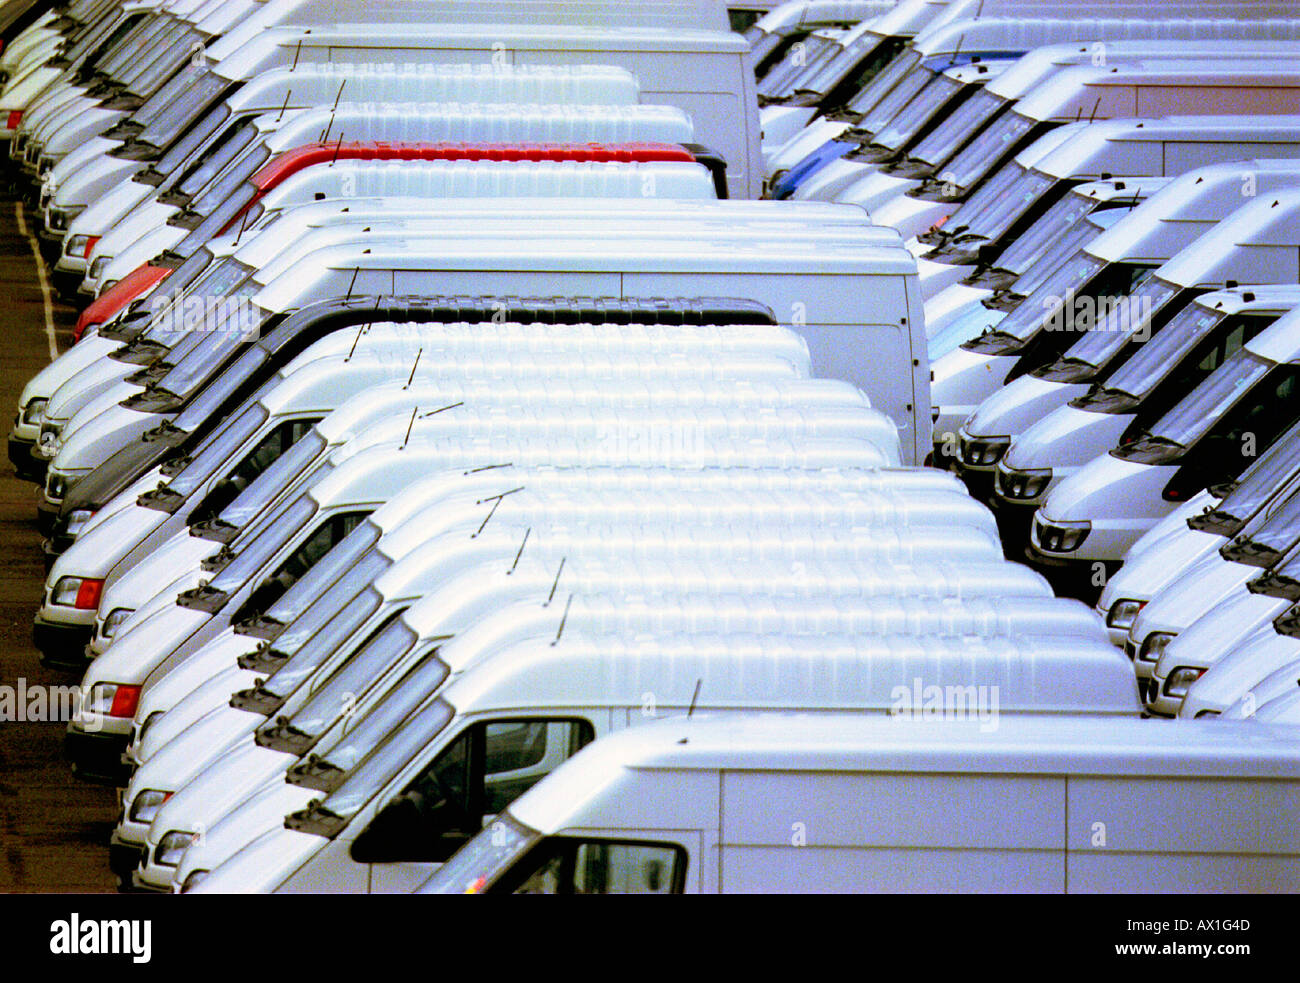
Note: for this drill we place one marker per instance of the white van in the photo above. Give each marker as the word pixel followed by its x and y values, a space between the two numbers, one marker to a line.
pixel 1100 510
pixel 1244 681
pixel 1192 531
pixel 1103 405
pixel 1212 87
pixel 1151 257
pixel 78 426
pixel 268 138
pixel 773 34
pixel 863 790
pixel 327 382
pixel 545 688
pixel 874 175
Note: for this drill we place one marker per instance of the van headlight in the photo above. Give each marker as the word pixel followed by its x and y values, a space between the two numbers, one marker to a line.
pixel 1123 613
pixel 114 621
pixel 1181 679
pixel 1061 537
pixel 1012 484
pixel 98 266
pixel 172 847
pixel 982 452
pixel 1154 645
pixel 196 878
pixel 77 520
pixel 75 246
pixel 33 411
pixel 113 700
pixel 147 804
pixel 82 593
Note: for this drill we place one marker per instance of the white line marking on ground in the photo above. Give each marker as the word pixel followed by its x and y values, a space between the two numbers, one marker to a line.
pixel 46 296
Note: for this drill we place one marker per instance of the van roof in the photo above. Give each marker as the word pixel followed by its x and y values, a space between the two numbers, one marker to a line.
pixel 1021 745
pixel 1280 341
pixel 1048 675
pixel 1253 297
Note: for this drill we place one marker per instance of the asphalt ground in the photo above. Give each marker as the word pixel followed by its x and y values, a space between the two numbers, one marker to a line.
pixel 54 829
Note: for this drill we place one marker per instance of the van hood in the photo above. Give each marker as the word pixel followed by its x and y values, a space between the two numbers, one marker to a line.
pixel 1109 488
pixel 102 436
pixel 1019 405
pixel 1066 437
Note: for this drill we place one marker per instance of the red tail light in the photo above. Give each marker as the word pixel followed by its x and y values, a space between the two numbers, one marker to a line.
pixel 125 701
pixel 15 117
pixel 88 595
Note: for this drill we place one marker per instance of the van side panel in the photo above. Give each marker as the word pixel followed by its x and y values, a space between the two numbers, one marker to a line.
pixel 1183 835
pixel 875 351
pixel 891 832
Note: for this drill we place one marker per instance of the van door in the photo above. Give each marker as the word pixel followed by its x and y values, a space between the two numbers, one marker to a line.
pixel 477 776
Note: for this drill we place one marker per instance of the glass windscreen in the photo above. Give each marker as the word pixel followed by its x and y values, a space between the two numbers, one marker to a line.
pixel 225 441
pixel 198 95
pixel 1153 361
pixel 354 677
pixel 908 121
pixel 1120 320
pixel 1025 321
pixel 984 152
pixel 274 481
pixel 188 144
pixel 257 553
pixel 1281 530
pixel 967 120
pixel 388 760
pixel 885 80
pixel 484 859
pixel 341 752
pixel 332 627
pixel 1263 478
pixel 1057 253
pixel 985 198
pixel 227 382
pixel 1063 221
pixel 349 563
pixel 1194 416
pixel 879 116
pixel 219 157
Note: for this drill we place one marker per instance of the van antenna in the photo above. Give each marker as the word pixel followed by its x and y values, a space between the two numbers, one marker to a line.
pixel 695 697
pixel 337 148
pixel 496 501
pixel 408 429
pixel 1095 106
pixel 296 54
pixel 442 409
pixel 527 532
pixel 243 225
pixel 556 583
pixel 360 331
pixel 411 377
pixel 563 620
pixel 355 273
pixel 287 95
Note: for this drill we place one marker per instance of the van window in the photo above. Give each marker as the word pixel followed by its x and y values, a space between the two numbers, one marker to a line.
pixel 478 775
pixel 1024 322
pixel 201 90
pixel 885 80
pixel 350 566
pixel 262 456
pixel 237 138
pixel 984 153
pixel 1114 328
pixel 564 865
pixel 185 147
pixel 1001 210
pixel 323 539
pixel 227 184
pixel 224 443
pixel 1063 219
pixel 896 100
pixel 485 858
pixel 909 121
pixel 1262 478
pixel 307 650
pixel 970 118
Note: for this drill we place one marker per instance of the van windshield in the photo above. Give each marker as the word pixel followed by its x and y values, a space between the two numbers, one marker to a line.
pixel 1024 322
pixel 998 214
pixel 484 859
pixel 186 146
pixel 219 326
pixel 331 628
pixel 1057 253
pixel 199 92
pixel 218 158
pixel 227 184
pixel 1120 321
pixel 215 392
pixel 1194 416
pixel 886 79
pixel 986 150
pixel 225 442
pixel 274 480
pixel 341 753
pixel 1279 532
pixel 879 116
pixel 1263 478
pixel 387 761
pixel 349 566
pixel 1064 220
pixel 969 118
pixel 1157 358
pixel 354 678
pixel 259 551
pixel 905 124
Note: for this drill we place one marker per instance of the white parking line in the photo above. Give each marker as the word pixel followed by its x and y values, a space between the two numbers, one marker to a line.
pixel 46 296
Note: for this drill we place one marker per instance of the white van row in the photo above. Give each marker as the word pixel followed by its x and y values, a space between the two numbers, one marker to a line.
pixel 433 420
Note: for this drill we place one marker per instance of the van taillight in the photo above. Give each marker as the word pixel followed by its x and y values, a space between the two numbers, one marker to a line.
pixel 15 117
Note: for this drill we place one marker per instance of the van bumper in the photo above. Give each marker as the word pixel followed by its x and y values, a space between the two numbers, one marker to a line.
pixel 97 758
pixel 20 456
pixel 61 646
pixel 124 858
